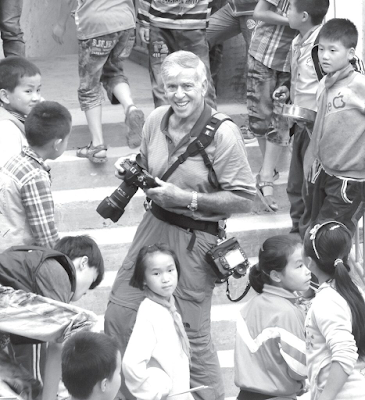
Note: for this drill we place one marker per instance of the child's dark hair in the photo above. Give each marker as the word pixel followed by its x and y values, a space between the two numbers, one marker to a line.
pixel 340 30
pixel 329 245
pixel 137 279
pixel 88 358
pixel 316 9
pixel 47 120
pixel 13 69
pixel 83 245
pixel 273 256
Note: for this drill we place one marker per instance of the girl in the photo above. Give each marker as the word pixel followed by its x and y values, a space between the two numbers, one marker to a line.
pixel 270 341
pixel 335 324
pixel 156 361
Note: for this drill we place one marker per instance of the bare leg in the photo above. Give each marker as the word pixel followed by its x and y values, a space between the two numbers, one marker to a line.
pixel 93 117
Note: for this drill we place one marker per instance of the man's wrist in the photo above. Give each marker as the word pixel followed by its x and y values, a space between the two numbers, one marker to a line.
pixel 193 206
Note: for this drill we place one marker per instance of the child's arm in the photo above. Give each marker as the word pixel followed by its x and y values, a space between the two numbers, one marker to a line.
pixel 336 379
pixel 143 18
pixel 59 29
pixel 265 11
pixel 39 209
pixel 52 371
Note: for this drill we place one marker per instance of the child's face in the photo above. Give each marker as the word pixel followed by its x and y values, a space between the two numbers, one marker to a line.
pixel 295 17
pixel 85 277
pixel 25 96
pixel 333 56
pixel 161 274
pixel 296 276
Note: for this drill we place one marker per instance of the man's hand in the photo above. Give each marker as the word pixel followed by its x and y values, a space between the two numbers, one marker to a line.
pixel 57 33
pixel 168 195
pixel 119 170
pixel 144 33
pixel 281 94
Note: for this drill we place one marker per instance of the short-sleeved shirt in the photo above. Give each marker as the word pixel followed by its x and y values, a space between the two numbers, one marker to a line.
pixel 270 44
pixel 226 152
pixel 100 17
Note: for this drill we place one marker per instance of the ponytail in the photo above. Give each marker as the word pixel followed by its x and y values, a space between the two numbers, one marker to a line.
pixel 255 278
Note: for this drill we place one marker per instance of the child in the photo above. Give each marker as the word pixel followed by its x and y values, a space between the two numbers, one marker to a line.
pixel 20 87
pixel 268 68
pixel 334 160
pixel 306 16
pixel 105 32
pixel 335 324
pixel 26 204
pixel 270 340
pixel 91 366
pixel 156 361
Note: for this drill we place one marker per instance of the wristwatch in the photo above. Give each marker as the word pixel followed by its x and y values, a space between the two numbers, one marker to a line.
pixel 193 206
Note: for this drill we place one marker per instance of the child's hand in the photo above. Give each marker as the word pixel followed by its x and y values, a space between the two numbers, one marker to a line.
pixel 281 94
pixel 57 33
pixel 144 33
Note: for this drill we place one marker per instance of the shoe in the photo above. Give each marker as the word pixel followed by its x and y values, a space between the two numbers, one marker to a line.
pixel 90 152
pixel 267 200
pixel 247 135
pixel 276 175
pixel 134 120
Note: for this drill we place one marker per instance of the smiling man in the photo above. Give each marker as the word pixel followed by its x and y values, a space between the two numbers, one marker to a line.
pixel 185 213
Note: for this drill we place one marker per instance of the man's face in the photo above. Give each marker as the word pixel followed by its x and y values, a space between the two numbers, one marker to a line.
pixel 185 93
pixel 333 56
pixel 25 95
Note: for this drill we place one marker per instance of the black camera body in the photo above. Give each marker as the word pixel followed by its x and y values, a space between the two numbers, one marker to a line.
pixel 228 258
pixel 135 177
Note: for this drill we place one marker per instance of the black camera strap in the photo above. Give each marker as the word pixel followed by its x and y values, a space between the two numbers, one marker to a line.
pixel 199 145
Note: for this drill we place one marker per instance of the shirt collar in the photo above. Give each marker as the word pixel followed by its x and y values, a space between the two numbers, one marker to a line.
pixel 278 291
pixel 28 151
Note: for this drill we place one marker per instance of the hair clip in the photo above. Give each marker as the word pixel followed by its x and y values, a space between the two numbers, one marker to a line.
pixel 337 261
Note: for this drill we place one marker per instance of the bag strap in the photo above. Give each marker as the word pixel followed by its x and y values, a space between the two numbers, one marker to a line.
pixel 199 145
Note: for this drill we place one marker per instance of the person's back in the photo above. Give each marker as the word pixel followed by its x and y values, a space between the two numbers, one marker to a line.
pixel 20 84
pixel 26 206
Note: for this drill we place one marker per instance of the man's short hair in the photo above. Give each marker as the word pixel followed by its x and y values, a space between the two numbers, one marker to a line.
pixel 13 69
pixel 88 358
pixel 316 9
pixel 340 30
pixel 46 121
pixel 83 245
pixel 175 62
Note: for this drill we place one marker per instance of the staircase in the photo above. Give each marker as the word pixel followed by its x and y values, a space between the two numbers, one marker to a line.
pixel 79 186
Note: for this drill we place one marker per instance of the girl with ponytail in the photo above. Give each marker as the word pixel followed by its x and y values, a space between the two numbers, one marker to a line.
pixel 270 341
pixel 335 324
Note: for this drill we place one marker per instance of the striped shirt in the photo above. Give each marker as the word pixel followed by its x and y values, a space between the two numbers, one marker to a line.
pixel 26 203
pixel 175 14
pixel 270 43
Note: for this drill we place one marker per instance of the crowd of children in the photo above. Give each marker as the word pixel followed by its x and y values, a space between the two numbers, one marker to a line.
pixel 285 344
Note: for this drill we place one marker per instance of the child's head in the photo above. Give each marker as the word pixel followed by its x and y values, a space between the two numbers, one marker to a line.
pixel 48 125
pixel 303 11
pixel 20 84
pixel 91 366
pixel 158 268
pixel 337 43
pixel 326 251
pixel 280 264
pixel 87 259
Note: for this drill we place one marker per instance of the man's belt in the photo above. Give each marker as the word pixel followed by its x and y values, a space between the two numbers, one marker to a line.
pixel 184 222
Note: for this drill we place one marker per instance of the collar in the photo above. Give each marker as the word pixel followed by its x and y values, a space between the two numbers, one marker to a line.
pixel 28 151
pixel 278 291
pixel 328 284
pixel 302 39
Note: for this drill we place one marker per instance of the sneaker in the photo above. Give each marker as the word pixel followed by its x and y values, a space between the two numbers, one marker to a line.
pixel 247 135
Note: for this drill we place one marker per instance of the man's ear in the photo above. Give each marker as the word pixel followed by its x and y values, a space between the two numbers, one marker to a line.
pixel 205 87
pixel 275 276
pixel 4 96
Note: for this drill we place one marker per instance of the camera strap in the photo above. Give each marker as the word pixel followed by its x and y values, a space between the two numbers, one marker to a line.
pixel 199 145
pixel 228 293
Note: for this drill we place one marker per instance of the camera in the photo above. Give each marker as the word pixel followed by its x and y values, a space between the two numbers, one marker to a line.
pixel 228 258
pixel 135 177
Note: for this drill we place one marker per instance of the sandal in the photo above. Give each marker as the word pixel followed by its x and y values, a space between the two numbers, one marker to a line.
pixel 267 200
pixel 134 120
pixel 90 152
pixel 276 175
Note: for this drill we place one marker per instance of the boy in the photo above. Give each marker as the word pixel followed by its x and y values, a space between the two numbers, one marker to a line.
pixel 268 68
pixel 26 204
pixel 334 161
pixel 64 275
pixel 91 366
pixel 105 32
pixel 306 16
pixel 20 87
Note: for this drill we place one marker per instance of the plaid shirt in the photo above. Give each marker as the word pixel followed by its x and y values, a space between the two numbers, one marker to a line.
pixel 27 176
pixel 270 43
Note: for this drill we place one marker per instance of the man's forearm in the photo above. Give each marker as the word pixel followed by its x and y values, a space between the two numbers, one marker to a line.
pixel 228 201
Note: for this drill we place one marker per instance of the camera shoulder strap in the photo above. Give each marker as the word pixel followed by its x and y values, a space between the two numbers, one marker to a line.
pixel 199 145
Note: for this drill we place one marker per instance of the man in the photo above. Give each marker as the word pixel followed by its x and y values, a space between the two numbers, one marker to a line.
pixel 191 205
pixel 168 26
pixel 11 32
